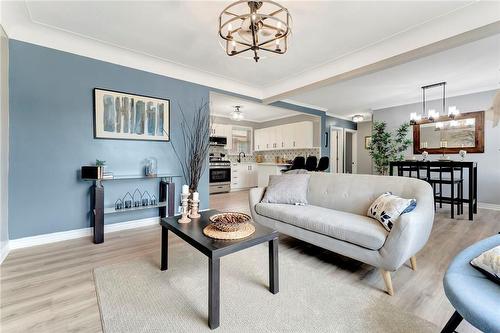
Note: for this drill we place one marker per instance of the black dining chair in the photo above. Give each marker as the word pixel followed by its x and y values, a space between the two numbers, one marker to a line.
pixel 323 164
pixel 299 162
pixel 311 163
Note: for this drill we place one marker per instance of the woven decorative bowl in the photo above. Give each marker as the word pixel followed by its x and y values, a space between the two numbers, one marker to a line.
pixel 230 221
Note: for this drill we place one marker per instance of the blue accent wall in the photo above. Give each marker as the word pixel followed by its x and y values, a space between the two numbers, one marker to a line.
pixel 51 136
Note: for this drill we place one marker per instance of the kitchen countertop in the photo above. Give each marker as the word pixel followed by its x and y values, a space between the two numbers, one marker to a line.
pixel 272 163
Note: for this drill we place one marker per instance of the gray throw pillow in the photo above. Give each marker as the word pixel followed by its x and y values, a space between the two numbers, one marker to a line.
pixel 287 189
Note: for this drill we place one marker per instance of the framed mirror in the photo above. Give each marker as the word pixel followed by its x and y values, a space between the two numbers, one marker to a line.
pixel 447 135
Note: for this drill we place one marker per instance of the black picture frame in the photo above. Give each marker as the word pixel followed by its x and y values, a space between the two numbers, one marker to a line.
pixel 99 133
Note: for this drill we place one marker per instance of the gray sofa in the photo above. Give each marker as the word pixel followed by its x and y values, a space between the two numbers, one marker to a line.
pixel 335 218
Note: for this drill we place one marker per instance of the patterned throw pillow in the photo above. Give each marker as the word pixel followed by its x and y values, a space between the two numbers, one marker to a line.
pixel 388 207
pixel 488 263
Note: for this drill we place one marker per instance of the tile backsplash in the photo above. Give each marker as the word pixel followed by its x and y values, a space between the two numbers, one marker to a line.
pixel 269 156
pixel 289 154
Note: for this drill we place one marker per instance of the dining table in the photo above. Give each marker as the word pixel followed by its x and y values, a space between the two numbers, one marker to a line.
pixel 427 167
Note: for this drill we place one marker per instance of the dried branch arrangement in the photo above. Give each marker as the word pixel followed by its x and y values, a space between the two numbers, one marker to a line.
pixel 192 150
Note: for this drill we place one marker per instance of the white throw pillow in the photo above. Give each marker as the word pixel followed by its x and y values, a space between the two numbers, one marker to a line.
pixel 388 207
pixel 488 263
pixel 287 189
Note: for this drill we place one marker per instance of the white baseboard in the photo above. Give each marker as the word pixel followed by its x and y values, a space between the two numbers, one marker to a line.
pixel 78 233
pixel 485 205
pixel 4 251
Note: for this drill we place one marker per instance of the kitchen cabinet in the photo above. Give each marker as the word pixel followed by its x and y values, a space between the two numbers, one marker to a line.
pixel 289 136
pixel 223 131
pixel 243 175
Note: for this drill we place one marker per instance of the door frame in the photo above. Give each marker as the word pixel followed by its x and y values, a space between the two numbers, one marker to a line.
pixel 354 152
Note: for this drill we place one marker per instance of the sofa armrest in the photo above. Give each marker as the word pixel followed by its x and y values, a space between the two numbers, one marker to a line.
pixel 254 197
pixel 411 232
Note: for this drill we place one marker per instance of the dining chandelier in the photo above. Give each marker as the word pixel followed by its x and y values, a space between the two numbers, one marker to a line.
pixel 255 26
pixel 431 114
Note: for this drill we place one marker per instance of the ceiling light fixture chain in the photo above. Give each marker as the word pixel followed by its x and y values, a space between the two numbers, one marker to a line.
pixel 255 26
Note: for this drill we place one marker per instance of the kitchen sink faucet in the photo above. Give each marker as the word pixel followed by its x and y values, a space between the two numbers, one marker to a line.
pixel 239 156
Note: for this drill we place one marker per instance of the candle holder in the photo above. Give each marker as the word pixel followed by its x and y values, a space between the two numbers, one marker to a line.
pixel 193 213
pixel 118 204
pixel 184 200
pixel 127 203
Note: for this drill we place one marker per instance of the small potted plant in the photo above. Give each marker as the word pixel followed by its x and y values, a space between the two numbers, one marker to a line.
pixel 100 164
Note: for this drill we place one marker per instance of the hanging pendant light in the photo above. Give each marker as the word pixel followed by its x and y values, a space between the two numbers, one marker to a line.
pixel 255 26
pixel 431 114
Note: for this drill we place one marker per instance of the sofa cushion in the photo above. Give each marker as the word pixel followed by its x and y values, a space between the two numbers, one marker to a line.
pixel 287 189
pixel 355 229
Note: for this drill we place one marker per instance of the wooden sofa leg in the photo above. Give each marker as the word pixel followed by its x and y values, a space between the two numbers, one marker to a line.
pixel 413 262
pixel 388 282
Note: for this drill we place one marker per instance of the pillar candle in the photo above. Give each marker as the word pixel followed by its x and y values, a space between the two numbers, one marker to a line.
pixel 196 196
pixel 185 189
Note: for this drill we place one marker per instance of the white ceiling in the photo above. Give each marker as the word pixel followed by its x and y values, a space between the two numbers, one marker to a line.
pixel 330 38
pixel 222 106
pixel 186 31
pixel 469 68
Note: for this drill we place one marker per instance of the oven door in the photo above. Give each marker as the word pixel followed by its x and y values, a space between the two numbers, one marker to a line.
pixel 219 175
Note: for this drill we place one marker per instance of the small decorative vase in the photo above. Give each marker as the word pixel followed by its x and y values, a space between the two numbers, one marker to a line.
pixel 151 167
pixel 462 154
pixel 424 156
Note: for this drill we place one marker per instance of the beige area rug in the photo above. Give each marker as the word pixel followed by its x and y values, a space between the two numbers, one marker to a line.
pixel 137 297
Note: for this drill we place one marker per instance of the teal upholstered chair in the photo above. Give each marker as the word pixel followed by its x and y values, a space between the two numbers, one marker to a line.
pixel 474 297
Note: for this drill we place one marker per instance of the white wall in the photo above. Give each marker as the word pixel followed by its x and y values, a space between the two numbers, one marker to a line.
pixel 365 165
pixel 488 162
pixel 4 144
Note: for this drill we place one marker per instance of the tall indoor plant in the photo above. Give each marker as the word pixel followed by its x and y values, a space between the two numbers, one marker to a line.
pixel 192 149
pixel 386 146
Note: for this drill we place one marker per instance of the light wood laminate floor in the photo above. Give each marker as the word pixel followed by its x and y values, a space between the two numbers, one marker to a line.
pixel 50 288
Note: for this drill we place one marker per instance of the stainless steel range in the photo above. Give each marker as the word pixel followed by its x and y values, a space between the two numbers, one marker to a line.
pixel 219 175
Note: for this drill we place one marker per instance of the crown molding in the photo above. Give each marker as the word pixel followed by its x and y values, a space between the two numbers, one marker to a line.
pixel 305 105
pixel 19 26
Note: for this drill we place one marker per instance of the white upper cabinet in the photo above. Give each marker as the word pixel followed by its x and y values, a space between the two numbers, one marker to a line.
pixel 290 136
pixel 224 131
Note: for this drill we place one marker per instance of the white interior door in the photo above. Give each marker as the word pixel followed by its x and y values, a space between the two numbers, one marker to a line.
pixel 336 149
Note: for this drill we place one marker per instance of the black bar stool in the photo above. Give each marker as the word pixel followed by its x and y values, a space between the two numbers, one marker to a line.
pixel 456 197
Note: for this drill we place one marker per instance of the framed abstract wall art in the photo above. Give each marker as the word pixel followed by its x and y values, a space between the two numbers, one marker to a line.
pixel 120 115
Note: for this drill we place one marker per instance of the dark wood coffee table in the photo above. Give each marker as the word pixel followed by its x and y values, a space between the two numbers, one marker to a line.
pixel 214 249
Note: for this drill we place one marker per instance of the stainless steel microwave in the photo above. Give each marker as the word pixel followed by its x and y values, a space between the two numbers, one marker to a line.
pixel 218 141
